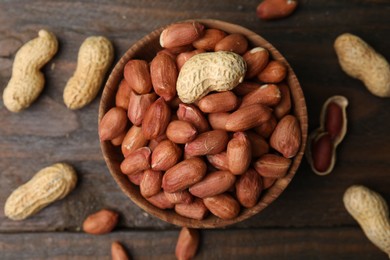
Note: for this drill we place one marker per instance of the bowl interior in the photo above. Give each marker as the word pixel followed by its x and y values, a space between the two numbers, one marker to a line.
pixel 145 49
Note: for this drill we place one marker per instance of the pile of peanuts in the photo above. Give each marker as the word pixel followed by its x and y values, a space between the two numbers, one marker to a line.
pixel 218 153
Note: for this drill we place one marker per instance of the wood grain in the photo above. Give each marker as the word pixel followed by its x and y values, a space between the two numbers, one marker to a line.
pixel 338 243
pixel 47 132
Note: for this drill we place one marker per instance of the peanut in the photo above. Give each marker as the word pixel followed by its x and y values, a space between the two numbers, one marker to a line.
pixel 213 184
pixel 137 161
pixel 286 137
pixel 244 119
pixel 275 9
pixel 218 102
pixel 205 72
pixel 179 197
pixel 181 132
pixel 184 174
pixel 210 38
pixel 248 188
pixel 112 124
pixel 274 72
pixel 272 166
pixel 239 153
pixel 160 201
pixel 156 119
pixel 101 222
pixel 138 105
pixel 322 142
pixel 122 96
pixel 193 115
pixel 118 252
pixel 165 155
pixel 334 120
pixel 163 72
pixel 322 152
pixel 284 106
pixel 133 140
pixel 223 206
pixel 48 185
pixel 256 60
pixel 137 76
pixel 151 183
pixel 359 60
pixel 195 210
pixel 211 142
pixel 27 81
pixel 370 210
pixel 268 94
pixel 181 34
pixel 94 59
pixel 234 42
pixel 187 244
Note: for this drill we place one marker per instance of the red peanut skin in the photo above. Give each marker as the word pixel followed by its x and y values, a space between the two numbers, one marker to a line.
pixel 275 9
pixel 193 115
pixel 275 72
pixel 187 244
pixel 195 209
pixel 138 105
pixel 211 142
pixel 133 140
pixel 184 174
pixel 163 71
pixel 150 184
pixel 210 38
pixel 138 160
pixel 156 119
pixel 180 197
pixel 248 188
pixel 333 120
pixel 165 155
pixel 181 34
pixel 160 201
pixel 123 95
pixel 181 132
pixel 213 184
pixel 322 151
pixel 113 124
pixel 223 206
pixel 256 60
pixel 137 75
pixel 101 222
pixel 239 153
pixel 234 42
pixel 218 102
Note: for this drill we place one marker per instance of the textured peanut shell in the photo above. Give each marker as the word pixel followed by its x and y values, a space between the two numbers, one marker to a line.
pixel 48 185
pixel 27 80
pixel 370 210
pixel 211 71
pixel 359 60
pixel 94 59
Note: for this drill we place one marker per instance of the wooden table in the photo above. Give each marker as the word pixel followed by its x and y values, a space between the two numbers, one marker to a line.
pixel 307 222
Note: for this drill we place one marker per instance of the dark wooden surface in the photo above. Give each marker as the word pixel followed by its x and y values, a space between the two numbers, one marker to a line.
pixel 307 222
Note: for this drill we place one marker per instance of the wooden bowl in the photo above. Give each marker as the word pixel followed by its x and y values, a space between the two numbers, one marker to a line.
pixel 145 49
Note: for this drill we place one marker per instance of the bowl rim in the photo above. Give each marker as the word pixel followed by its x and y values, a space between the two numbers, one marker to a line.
pixel 110 152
